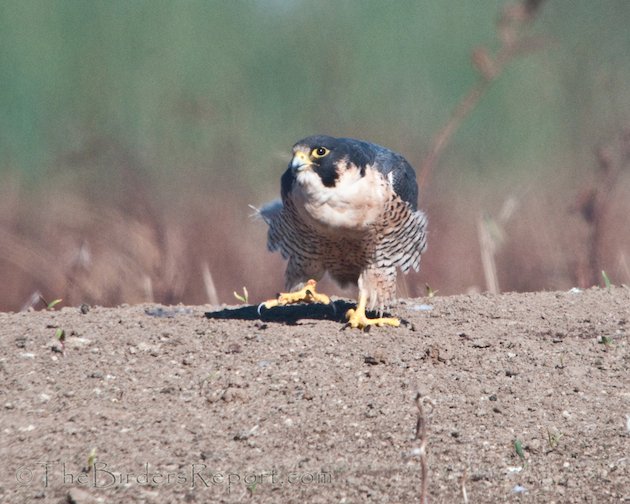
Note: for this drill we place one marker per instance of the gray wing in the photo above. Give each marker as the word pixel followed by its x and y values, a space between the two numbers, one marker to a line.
pixel 392 165
pixel 279 233
pixel 401 175
pixel 287 233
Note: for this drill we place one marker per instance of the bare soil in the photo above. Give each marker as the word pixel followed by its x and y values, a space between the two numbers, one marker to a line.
pixel 527 398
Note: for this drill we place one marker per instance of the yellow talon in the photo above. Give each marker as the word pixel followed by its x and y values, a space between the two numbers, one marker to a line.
pixel 358 319
pixel 307 294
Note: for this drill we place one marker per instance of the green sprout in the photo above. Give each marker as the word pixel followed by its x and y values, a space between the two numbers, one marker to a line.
pixel 518 448
pixel 430 292
pixel 49 306
pixel 606 280
pixel 91 459
pixel 211 376
pixel 605 340
pixel 60 334
pixel 243 298
pixel 553 438
pixel 53 303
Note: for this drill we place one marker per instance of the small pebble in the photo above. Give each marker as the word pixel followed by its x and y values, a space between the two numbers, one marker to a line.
pixel 518 489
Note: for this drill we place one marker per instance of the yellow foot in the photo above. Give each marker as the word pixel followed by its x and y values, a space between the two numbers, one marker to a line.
pixel 308 294
pixel 358 319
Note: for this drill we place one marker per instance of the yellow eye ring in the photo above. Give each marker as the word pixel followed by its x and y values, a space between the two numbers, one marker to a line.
pixel 319 152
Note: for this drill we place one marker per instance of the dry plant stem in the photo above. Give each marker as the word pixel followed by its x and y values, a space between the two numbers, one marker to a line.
pixel 488 251
pixel 27 257
pixel 422 427
pixel 490 69
pixel 463 485
pixel 595 205
pixel 441 140
pixel 601 205
pixel 208 284
pixel 623 264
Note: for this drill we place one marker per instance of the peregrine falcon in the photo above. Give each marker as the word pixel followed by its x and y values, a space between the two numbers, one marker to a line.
pixel 349 208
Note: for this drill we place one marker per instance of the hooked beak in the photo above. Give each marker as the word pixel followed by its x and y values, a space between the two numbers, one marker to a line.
pixel 300 161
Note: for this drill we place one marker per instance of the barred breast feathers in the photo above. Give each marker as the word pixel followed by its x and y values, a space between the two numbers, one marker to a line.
pixel 403 238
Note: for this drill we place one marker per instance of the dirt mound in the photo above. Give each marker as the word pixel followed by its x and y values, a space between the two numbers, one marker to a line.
pixel 528 397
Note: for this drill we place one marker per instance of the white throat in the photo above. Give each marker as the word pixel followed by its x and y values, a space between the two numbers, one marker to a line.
pixel 353 203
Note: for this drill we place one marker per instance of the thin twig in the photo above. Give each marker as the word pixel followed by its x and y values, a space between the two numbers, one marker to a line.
pixel 147 286
pixel 441 140
pixel 623 264
pixel 513 43
pixel 487 247
pixel 422 427
pixel 462 482
pixel 208 283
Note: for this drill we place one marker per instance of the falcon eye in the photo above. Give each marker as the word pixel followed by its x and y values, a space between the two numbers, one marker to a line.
pixel 319 152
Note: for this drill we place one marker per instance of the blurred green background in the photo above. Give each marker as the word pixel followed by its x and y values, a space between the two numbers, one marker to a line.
pixel 200 101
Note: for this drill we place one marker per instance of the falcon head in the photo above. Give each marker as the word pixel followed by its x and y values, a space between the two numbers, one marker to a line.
pixel 345 183
pixel 336 182
pixel 328 157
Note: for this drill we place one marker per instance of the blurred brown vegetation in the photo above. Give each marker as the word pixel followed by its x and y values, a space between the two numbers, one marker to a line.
pixel 143 243
pixel 154 155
